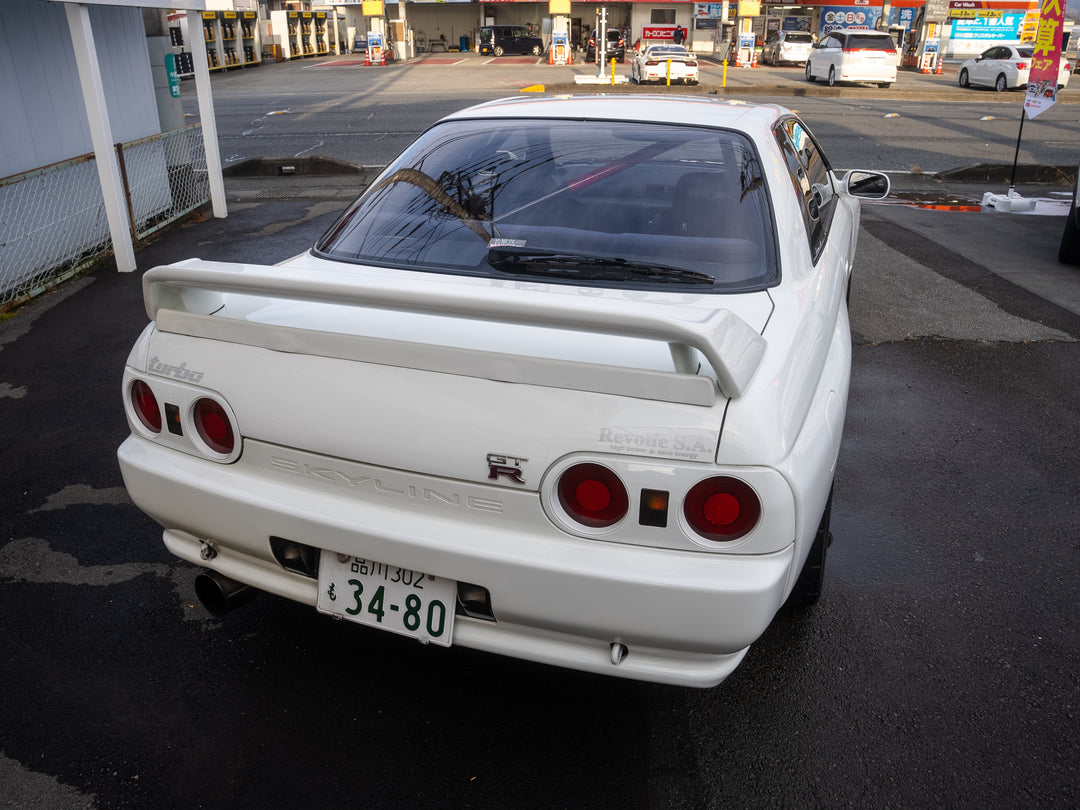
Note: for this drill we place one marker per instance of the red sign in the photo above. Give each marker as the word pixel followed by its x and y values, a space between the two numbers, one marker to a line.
pixel 1043 78
pixel 658 32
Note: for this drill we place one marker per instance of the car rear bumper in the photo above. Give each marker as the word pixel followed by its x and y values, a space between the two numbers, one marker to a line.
pixel 885 72
pixel 685 617
pixel 660 74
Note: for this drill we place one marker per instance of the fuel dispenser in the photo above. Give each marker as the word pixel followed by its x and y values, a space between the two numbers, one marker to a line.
pixel 376 38
pixel 560 52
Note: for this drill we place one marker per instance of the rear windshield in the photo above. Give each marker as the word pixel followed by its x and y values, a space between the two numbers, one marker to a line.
pixel 664 51
pixel 866 42
pixel 797 37
pixel 594 203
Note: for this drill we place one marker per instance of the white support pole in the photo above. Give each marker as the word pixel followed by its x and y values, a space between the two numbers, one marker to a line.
pixel 206 114
pixel 97 116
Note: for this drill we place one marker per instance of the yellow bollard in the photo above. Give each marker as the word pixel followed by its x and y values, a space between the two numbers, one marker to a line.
pixel 669 73
pixel 613 70
pixel 723 82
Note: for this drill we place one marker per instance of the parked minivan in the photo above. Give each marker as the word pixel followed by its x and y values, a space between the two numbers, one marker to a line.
pixel 500 39
pixel 853 56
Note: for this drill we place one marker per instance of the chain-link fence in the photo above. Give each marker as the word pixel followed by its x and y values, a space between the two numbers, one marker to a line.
pixel 164 177
pixel 53 222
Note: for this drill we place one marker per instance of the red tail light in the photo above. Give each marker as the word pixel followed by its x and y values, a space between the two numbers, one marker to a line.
pixel 146 406
pixel 593 495
pixel 1021 65
pixel 652 62
pixel 214 426
pixel 722 508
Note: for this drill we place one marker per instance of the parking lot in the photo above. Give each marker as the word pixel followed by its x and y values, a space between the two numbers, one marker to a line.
pixel 940 667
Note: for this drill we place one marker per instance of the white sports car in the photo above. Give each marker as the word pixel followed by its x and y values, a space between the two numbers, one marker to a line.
pixel 659 63
pixel 566 383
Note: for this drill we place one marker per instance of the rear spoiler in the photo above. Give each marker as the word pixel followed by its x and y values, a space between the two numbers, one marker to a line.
pixel 181 298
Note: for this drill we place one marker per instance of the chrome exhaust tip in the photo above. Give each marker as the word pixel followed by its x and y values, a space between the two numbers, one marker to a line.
pixel 219 594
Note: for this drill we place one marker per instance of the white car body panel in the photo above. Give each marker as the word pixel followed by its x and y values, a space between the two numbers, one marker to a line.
pixel 369 400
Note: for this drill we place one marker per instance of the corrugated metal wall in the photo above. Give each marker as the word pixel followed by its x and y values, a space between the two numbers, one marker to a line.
pixel 42 117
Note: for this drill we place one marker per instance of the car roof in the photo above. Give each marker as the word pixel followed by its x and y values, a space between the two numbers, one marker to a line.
pixel 693 110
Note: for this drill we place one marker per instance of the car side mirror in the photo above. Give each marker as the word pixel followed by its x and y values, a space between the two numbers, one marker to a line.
pixel 866 185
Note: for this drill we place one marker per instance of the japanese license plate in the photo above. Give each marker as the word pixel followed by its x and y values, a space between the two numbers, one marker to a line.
pixel 411 603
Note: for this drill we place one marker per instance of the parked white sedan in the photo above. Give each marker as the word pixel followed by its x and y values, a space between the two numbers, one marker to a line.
pixel 659 63
pixel 1005 67
pixel 567 383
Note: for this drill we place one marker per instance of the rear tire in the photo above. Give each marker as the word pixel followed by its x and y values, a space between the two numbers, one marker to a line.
pixel 498 50
pixel 537 50
pixel 884 85
pixel 832 77
pixel 1001 84
pixel 809 585
pixel 809 73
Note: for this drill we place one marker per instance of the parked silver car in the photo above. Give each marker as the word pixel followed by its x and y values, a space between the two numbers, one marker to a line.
pixel 792 47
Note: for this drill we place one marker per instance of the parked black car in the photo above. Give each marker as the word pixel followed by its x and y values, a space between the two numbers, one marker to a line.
pixel 500 39
pixel 615 48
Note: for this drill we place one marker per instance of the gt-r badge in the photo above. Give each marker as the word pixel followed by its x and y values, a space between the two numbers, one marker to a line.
pixel 507 467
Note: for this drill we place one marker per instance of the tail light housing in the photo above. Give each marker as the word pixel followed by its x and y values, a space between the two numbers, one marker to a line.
pixel 663 503
pixel 214 426
pixel 145 405
pixel 1021 65
pixel 722 508
pixel 593 495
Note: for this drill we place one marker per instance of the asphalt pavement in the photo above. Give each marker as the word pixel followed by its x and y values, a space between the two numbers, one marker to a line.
pixel 940 667
pixel 532 74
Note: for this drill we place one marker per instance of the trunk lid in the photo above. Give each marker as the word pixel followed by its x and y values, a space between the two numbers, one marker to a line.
pixel 449 375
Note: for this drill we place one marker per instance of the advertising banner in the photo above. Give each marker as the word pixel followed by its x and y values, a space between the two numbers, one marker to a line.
pixel 862 19
pixel 1043 78
pixel 1006 27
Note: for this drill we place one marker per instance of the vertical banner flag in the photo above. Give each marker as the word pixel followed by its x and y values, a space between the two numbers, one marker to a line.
pixel 1043 78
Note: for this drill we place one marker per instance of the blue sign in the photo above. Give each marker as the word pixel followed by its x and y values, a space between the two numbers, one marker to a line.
pixel 862 19
pixel 902 17
pixel 1007 28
